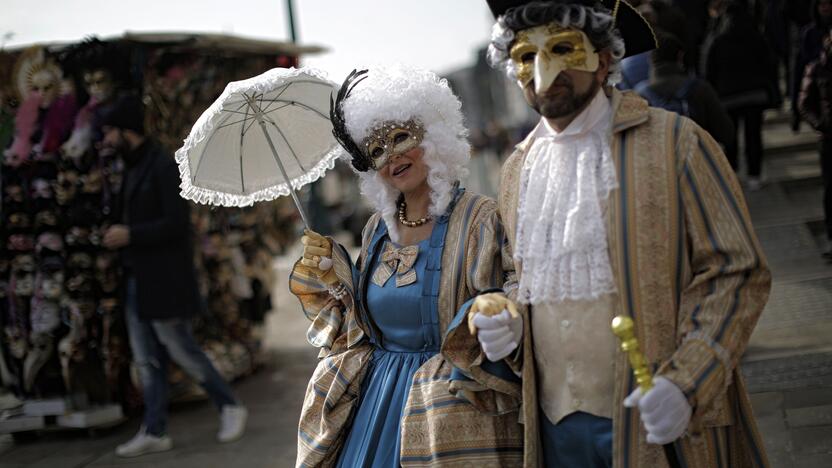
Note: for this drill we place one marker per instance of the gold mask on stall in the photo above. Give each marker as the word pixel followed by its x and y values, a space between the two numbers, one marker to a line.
pixel 392 139
pixel 542 52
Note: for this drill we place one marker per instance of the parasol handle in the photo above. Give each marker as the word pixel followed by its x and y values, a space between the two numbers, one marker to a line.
pixel 282 170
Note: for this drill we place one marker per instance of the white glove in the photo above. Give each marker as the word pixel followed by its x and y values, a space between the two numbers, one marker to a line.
pixel 664 410
pixel 499 334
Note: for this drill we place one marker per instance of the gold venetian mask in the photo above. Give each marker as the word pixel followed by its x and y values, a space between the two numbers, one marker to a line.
pixel 392 139
pixel 542 52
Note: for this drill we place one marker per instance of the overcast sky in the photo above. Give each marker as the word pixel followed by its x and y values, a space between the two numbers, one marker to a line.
pixel 441 35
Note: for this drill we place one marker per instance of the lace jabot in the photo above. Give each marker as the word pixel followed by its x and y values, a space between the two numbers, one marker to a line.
pixel 561 234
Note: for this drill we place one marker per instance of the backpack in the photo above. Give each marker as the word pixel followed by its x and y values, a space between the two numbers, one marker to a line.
pixel 678 102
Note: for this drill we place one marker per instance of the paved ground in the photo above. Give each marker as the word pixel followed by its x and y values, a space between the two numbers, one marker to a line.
pixel 788 364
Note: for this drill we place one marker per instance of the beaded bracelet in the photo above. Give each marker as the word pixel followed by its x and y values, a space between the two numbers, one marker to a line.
pixel 338 292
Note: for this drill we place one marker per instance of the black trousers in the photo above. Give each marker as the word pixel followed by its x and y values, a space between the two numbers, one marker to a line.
pixel 826 175
pixel 753 128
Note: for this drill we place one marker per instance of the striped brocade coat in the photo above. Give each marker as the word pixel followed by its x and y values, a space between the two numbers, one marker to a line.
pixel 450 418
pixel 689 271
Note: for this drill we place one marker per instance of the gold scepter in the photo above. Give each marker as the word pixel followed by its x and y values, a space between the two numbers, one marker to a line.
pixel 624 328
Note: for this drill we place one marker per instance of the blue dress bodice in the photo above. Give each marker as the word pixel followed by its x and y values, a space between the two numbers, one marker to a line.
pixel 406 335
pixel 396 311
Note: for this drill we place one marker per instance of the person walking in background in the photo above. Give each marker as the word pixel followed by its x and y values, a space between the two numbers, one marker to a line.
pixel 160 280
pixel 741 69
pixel 815 106
pixel 811 44
pixel 661 15
pixel 672 88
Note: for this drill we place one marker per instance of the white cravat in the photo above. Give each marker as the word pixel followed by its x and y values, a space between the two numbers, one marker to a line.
pixel 561 234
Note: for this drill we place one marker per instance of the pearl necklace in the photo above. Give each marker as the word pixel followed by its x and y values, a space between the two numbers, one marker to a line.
pixel 411 224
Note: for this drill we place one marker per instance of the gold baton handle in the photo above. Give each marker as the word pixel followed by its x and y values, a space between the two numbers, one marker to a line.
pixel 623 328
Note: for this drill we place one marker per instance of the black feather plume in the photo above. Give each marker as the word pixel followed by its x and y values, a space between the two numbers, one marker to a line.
pixel 339 127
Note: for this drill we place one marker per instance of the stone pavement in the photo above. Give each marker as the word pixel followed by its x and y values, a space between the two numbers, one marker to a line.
pixel 788 365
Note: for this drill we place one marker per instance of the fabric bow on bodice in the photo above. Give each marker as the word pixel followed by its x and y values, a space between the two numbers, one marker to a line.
pixel 401 262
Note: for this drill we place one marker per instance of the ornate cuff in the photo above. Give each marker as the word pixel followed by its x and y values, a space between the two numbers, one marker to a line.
pixel 337 291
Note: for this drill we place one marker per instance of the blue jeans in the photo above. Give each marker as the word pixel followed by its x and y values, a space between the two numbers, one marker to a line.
pixel 153 343
pixel 578 440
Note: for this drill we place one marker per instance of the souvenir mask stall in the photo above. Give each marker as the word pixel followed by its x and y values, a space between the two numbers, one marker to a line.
pixel 62 327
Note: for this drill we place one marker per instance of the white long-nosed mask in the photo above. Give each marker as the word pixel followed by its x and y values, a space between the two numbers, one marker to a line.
pixel 542 52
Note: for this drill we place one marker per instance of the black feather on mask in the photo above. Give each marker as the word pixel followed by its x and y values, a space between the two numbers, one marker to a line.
pixel 360 161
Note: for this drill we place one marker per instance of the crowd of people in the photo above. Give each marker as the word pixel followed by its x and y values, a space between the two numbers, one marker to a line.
pixel 724 62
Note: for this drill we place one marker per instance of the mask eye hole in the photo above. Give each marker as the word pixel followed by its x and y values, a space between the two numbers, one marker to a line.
pixel 400 137
pixel 376 151
pixel 528 57
pixel 563 48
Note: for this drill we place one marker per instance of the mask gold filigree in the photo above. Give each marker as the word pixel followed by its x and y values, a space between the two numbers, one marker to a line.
pixel 542 52
pixel 392 139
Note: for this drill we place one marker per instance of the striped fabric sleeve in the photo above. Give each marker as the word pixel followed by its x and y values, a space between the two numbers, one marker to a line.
pixel 331 318
pixel 483 259
pixel 510 287
pixel 730 280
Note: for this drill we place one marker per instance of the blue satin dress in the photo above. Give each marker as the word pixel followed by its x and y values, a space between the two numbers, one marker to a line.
pixel 408 339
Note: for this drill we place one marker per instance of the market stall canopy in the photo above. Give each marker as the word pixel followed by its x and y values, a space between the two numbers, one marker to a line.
pixel 197 40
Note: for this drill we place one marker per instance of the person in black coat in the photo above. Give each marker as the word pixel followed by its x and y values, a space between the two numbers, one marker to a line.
pixel 154 239
pixel 670 83
pixel 815 105
pixel 741 68
pixel 811 44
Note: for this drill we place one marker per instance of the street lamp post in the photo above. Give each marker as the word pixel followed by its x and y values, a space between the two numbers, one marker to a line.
pixel 290 10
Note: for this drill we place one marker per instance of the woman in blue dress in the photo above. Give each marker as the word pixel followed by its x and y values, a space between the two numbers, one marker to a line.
pixel 396 385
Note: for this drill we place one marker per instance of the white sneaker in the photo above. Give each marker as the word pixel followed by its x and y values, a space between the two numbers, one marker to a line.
pixel 143 443
pixel 232 423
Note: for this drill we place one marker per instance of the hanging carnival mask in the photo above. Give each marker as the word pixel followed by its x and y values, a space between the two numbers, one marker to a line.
pixel 19 222
pixel 106 273
pixel 99 85
pixel 541 53
pixel 79 261
pixel 52 285
pixel 24 284
pixel 20 243
pixel 65 187
pixel 49 243
pixel 41 189
pixel 80 286
pixel 82 236
pixel 91 182
pixel 46 220
pixel 24 263
pixel 14 193
pixel 17 342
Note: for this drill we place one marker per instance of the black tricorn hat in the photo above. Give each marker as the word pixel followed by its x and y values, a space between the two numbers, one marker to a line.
pixel 635 30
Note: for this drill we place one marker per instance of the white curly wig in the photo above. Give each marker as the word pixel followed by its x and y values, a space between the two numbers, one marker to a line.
pixel 596 22
pixel 397 93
